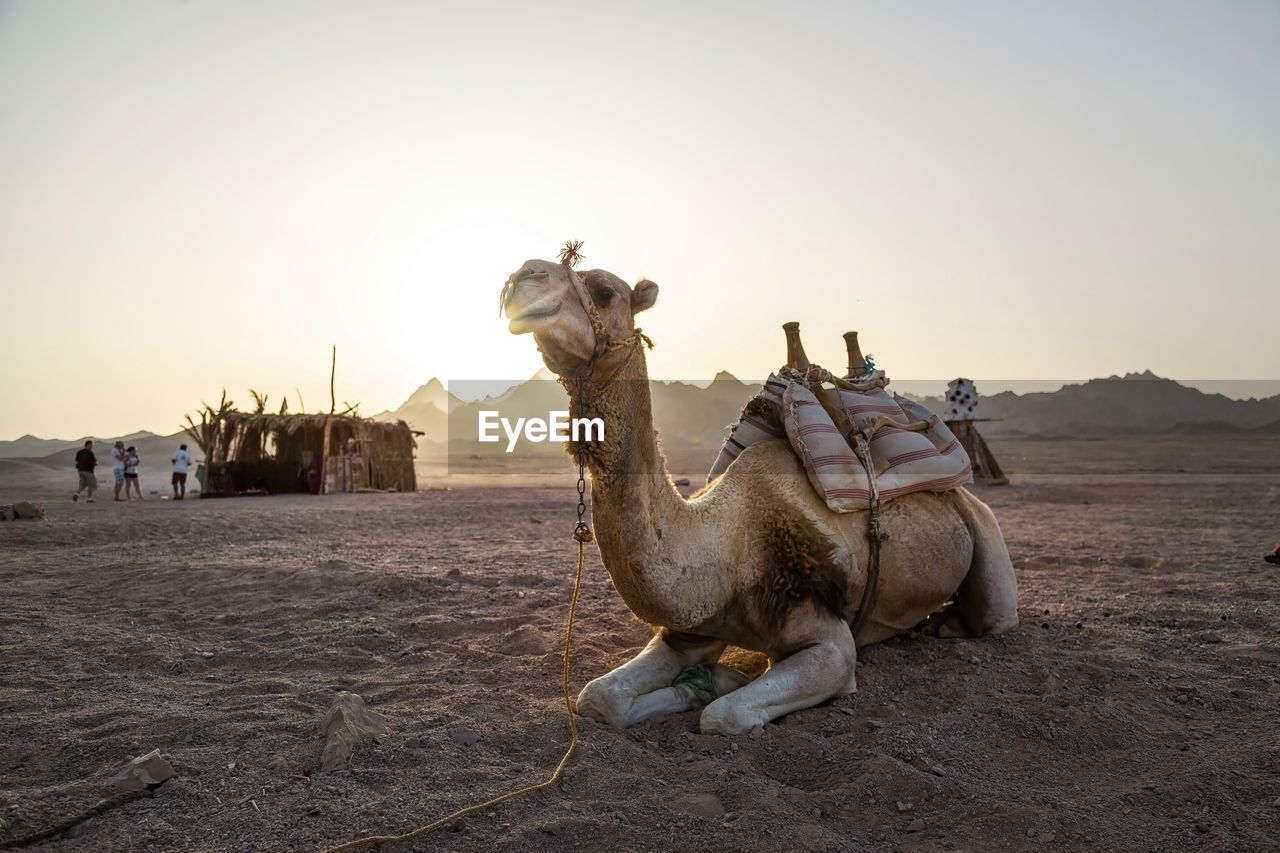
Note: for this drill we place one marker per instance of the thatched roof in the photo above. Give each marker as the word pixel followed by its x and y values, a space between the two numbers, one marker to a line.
pixel 277 450
pixel 291 424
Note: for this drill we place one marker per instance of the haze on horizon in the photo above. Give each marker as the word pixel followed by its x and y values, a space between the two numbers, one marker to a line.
pixel 196 195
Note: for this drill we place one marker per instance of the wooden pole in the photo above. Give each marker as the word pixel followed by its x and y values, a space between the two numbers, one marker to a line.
pixel 324 459
pixel 333 369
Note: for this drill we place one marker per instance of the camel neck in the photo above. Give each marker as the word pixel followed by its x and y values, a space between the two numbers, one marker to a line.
pixel 633 500
pixel 622 402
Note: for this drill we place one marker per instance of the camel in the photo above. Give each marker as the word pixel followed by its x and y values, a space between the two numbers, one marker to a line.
pixel 756 560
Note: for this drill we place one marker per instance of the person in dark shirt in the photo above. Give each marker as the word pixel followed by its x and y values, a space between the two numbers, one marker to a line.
pixel 85 463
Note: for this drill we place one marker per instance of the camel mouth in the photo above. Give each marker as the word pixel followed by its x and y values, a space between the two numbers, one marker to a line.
pixel 531 315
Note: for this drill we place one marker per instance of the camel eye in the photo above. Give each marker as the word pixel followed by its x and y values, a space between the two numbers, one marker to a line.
pixel 602 296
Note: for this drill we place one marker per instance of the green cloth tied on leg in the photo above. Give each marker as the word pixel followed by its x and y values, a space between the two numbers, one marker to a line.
pixel 700 679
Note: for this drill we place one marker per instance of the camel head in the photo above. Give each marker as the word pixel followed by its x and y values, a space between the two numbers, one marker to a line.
pixel 547 299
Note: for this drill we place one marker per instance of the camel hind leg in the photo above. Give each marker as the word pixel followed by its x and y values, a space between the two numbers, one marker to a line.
pixel 987 600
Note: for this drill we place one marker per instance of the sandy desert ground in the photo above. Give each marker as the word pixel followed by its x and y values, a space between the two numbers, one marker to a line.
pixel 1137 708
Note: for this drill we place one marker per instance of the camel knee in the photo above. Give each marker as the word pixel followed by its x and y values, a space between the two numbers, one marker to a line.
pixel 605 702
pixel 841 660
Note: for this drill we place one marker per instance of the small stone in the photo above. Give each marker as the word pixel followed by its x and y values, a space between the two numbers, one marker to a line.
pixel 28 511
pixel 937 771
pixel 916 825
pixel 464 736
pixel 904 807
pixel 1276 804
pixel 683 481
pixel 145 771
pixel 757 732
pixel 1210 637
pixel 1031 833
pixel 816 812
pixel 1046 837
pixel 877 724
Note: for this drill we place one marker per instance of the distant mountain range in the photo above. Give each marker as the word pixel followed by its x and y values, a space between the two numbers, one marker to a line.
pixel 426 410
pixel 689 417
pixel 30 447
pixel 1135 403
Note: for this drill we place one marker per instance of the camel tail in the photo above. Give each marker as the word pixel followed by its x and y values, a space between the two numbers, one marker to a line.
pixel 988 597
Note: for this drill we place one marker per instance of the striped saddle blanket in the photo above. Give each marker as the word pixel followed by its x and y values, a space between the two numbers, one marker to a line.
pixel 910 448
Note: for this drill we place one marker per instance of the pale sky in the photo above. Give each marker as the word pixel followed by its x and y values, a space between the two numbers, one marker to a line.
pixel 199 194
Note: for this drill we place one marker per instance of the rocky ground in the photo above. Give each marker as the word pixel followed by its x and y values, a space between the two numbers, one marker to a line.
pixel 1138 707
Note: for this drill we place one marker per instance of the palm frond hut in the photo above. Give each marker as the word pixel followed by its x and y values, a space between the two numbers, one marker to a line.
pixel 260 453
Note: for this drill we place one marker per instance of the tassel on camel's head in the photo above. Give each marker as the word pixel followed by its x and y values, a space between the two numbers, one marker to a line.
pixel 571 253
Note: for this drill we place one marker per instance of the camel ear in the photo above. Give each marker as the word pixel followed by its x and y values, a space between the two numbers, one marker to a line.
pixel 643 296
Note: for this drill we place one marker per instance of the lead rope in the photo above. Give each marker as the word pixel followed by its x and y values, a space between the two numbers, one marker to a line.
pixel 569 256
pixel 582 535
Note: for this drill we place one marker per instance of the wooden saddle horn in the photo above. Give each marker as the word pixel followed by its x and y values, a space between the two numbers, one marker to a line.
pixel 796 359
pixel 857 363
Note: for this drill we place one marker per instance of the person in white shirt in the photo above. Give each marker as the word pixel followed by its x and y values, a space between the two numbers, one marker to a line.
pixel 131 463
pixel 117 467
pixel 181 462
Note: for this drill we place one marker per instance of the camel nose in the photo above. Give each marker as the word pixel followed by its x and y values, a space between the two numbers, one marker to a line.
pixel 528 273
pixel 523 279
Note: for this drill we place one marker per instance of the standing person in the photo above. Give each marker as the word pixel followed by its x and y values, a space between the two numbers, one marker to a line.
pixel 117 467
pixel 85 463
pixel 131 462
pixel 181 462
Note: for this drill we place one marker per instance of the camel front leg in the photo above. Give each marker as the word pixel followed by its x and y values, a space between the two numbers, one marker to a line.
pixel 811 675
pixel 687 696
pixel 642 687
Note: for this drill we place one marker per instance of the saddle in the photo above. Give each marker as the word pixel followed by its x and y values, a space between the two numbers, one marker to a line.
pixel 859 445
